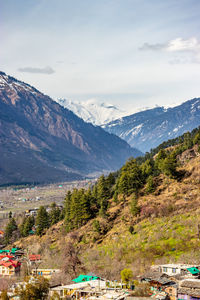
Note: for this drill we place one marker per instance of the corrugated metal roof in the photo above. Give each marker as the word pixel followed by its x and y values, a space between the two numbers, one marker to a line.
pixel 193 271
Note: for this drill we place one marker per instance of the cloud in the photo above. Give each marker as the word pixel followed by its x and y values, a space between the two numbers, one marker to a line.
pixel 176 45
pixel 46 70
pixel 188 50
pixel 153 47
pixel 180 44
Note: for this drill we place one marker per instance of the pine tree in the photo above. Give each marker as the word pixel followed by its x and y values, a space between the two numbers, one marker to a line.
pixel 85 208
pixel 169 165
pixel 102 195
pixel 54 214
pixel 42 220
pixel 67 210
pixel 150 187
pixel 134 208
pixel 10 228
pixel 28 224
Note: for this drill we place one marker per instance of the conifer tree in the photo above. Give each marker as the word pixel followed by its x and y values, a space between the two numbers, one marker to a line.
pixel 28 224
pixel 10 228
pixel 54 214
pixel 67 210
pixel 85 207
pixel 102 195
pixel 42 220
pixel 134 208
pixel 150 187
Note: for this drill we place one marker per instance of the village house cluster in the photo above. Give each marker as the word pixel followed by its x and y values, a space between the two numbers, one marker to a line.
pixel 165 282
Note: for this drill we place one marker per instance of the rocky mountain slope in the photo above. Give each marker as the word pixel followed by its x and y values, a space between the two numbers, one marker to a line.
pixel 93 112
pixel 41 141
pixel 149 128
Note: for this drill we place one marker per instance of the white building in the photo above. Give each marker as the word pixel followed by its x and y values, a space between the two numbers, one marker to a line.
pixel 174 269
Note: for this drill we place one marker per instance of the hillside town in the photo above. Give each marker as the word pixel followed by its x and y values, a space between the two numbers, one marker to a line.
pixel 161 282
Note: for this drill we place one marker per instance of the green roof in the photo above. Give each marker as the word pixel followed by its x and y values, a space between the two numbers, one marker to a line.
pixel 82 278
pixel 4 251
pixel 193 271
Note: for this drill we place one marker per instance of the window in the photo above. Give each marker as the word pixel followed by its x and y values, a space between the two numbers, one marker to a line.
pixel 164 269
pixel 173 270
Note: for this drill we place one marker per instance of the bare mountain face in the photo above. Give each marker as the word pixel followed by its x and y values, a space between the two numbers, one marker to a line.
pixel 41 141
pixel 149 128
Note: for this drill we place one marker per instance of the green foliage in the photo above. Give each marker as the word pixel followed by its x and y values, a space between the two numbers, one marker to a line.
pixel 130 179
pixel 103 195
pixel 96 226
pixel 54 214
pixel 147 168
pixel 35 291
pixel 77 208
pixel 27 225
pixel 150 186
pixel 168 166
pixel 115 197
pixel 127 275
pixel 196 139
pixel 134 208
pixel 42 220
pixel 10 229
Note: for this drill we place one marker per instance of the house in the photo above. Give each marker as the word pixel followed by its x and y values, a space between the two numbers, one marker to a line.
pixel 179 269
pixel 34 259
pixel 82 278
pixel 6 257
pixel 189 289
pixel 31 212
pixel 96 289
pixel 161 283
pixel 47 273
pixel 9 267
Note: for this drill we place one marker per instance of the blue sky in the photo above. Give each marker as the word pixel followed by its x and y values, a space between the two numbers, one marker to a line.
pixel 132 53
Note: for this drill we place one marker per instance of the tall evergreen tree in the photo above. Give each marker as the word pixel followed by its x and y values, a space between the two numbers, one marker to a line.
pixel 42 220
pixel 102 195
pixel 10 228
pixel 28 224
pixel 54 214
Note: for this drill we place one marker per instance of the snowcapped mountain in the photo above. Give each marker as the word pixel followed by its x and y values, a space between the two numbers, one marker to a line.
pixel 93 112
pixel 41 141
pixel 147 129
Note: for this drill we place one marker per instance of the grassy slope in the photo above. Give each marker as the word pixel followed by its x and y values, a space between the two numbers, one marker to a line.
pixel 165 231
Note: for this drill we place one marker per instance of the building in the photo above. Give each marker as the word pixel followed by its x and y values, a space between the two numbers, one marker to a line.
pixel 161 283
pixel 47 273
pixel 93 289
pixel 189 289
pixel 9 267
pixel 34 259
pixel 179 269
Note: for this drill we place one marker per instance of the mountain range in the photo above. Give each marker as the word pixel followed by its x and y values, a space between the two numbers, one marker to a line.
pixel 147 129
pixel 92 111
pixel 41 141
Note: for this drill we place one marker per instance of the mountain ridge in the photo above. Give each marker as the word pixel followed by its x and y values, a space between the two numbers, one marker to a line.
pixel 147 129
pixel 45 142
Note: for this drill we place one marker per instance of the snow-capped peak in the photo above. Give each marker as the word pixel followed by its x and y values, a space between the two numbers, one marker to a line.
pixel 93 111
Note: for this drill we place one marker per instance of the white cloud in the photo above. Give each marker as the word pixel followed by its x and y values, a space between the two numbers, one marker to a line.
pixel 45 70
pixel 188 49
pixel 180 44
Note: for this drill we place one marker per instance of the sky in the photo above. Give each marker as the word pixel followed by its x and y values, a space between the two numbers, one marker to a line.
pixel 131 53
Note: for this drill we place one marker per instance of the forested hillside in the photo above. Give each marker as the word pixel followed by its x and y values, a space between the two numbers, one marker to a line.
pixel 147 212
